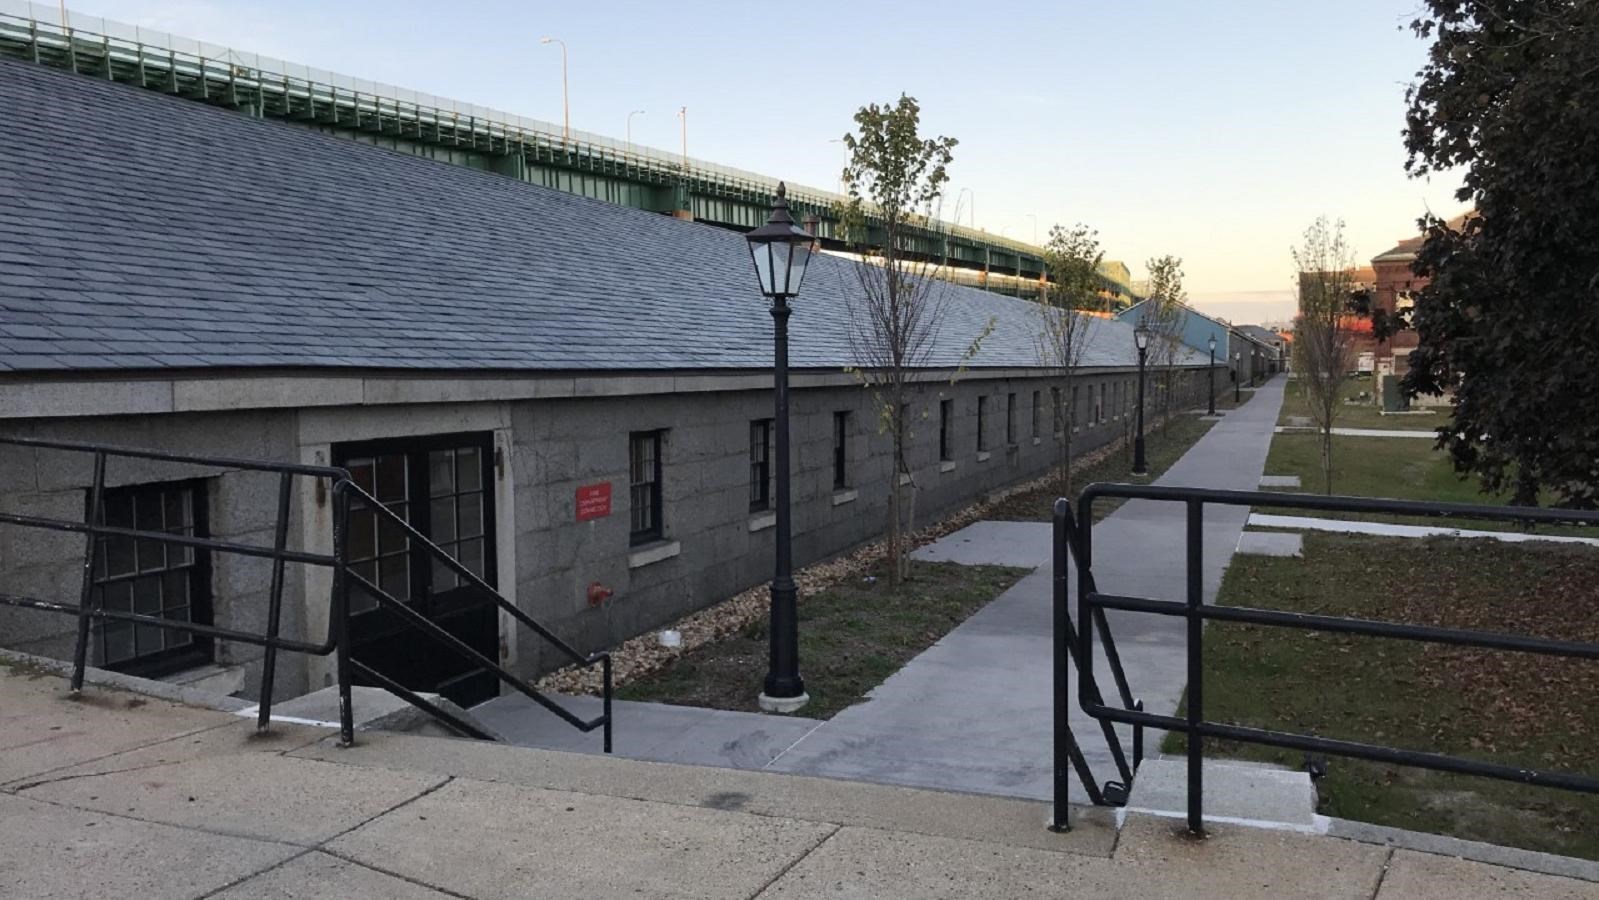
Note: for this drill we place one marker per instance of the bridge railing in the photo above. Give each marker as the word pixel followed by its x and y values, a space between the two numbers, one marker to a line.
pixel 1195 612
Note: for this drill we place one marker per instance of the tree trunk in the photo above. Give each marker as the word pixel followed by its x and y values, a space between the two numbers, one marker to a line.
pixel 897 420
pixel 1326 457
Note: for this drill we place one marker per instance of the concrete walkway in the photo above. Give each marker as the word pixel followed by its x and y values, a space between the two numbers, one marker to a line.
pixel 117 795
pixel 1430 434
pixel 1387 529
pixel 974 712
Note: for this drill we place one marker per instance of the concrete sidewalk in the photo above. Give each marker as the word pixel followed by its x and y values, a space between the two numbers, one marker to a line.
pixel 117 795
pixel 974 712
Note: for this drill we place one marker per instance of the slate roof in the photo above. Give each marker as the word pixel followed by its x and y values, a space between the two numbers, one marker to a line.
pixel 1259 335
pixel 140 231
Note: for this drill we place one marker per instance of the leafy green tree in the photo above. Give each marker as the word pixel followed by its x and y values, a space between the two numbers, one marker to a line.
pixel 1163 316
pixel 893 179
pixel 1510 319
pixel 1072 258
pixel 1324 346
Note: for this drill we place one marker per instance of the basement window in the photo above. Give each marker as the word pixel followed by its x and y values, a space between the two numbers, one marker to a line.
pixel 152 578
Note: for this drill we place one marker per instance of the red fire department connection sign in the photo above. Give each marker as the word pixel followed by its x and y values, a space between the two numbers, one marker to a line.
pixel 593 501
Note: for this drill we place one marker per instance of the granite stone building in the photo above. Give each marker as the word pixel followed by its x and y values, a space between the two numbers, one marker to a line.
pixel 572 398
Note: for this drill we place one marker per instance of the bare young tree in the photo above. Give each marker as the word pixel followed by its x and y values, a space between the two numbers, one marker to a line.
pixel 1324 345
pixel 1163 316
pixel 894 178
pixel 1072 259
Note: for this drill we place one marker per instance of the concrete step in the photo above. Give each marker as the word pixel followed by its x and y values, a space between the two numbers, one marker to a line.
pixel 375 710
pixel 1235 791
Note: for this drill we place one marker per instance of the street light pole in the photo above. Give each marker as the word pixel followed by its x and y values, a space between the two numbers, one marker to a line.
pixel 1141 340
pixel 1238 362
pixel 781 250
pixel 1212 371
pixel 566 109
pixel 630 129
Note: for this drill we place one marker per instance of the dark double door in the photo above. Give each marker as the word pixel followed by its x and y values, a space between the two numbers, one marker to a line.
pixel 444 487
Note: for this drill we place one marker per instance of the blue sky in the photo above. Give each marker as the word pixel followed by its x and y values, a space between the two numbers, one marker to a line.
pixel 1213 131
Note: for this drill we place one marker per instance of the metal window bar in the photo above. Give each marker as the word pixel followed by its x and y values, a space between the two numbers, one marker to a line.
pixel 1196 613
pixel 336 642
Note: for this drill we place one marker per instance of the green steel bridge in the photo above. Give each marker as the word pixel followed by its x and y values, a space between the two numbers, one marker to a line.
pixel 481 138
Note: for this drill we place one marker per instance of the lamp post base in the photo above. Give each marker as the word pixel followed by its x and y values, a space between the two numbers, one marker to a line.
pixel 783 704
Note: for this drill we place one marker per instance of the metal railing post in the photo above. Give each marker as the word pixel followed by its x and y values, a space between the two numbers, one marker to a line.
pixel 80 649
pixel 341 613
pixel 269 660
pixel 1196 670
pixel 605 676
pixel 1060 819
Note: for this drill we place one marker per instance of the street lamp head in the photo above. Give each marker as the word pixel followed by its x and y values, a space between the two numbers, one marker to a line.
pixel 1141 335
pixel 1212 343
pixel 781 250
pixel 546 40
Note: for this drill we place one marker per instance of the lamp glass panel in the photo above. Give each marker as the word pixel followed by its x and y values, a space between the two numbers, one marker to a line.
pixel 800 258
pixel 761 253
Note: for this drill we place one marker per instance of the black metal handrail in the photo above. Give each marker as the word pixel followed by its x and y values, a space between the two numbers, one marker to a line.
pixel 336 642
pixel 1193 608
pixel 94 527
pixel 1067 751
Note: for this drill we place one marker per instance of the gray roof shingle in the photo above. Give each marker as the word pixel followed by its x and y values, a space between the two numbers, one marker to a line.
pixel 139 230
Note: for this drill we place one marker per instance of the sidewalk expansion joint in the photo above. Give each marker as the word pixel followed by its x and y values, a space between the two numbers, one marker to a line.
pixel 1382 873
pixel 795 861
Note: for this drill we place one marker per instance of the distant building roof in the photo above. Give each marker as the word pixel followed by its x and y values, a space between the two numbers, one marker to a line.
pixel 1406 250
pixel 149 232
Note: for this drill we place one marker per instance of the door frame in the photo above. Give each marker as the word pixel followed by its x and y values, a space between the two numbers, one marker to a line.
pixel 418 479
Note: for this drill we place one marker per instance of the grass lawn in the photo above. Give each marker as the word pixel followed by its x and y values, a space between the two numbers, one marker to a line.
pixel 1401 468
pixel 1516 709
pixel 1161 449
pixel 1358 415
pixel 852 637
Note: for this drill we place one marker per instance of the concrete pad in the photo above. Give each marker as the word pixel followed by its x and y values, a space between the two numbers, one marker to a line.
pixel 1271 543
pixel 320 875
pixel 1364 432
pixel 651 731
pixel 240 737
pixel 858 862
pixel 1388 529
pixel 1421 876
pixel 256 795
pixel 1279 481
pixel 1152 862
pixel 1017 822
pixel 52 851
pixel 373 709
pixel 1027 545
pixel 1234 791
pixel 43 728
pixel 1477 851
pixel 491 840
pixel 1157 858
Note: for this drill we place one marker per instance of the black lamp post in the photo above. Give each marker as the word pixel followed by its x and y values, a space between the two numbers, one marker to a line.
pixel 1212 371
pixel 1238 364
pixel 1141 339
pixel 781 250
